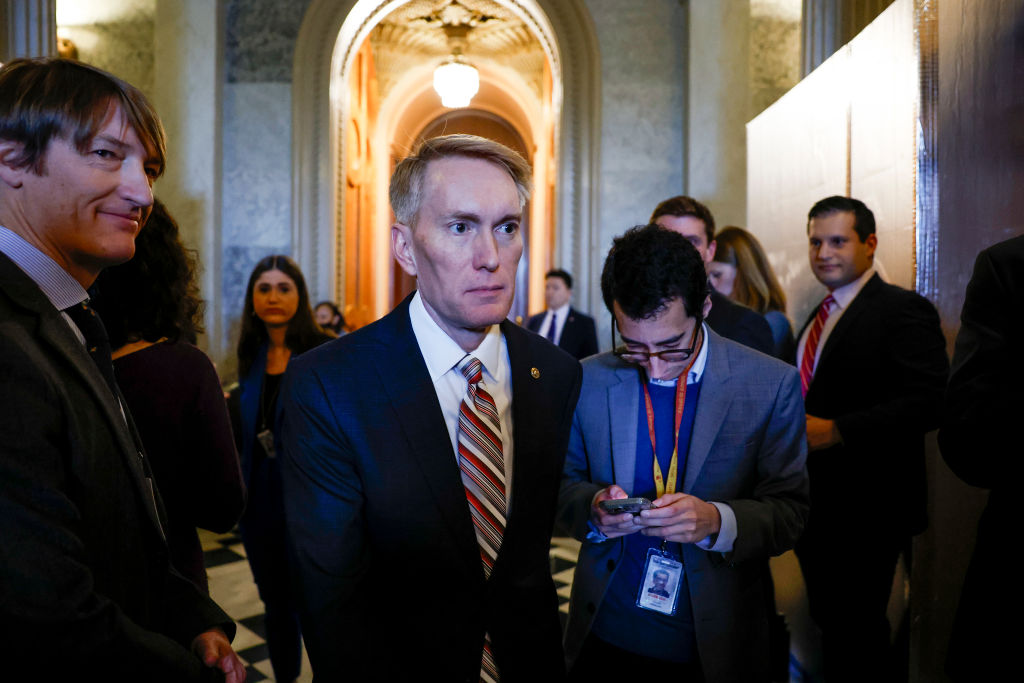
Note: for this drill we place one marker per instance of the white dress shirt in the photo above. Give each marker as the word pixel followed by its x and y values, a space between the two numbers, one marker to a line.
pixel 442 355
pixel 844 296
pixel 556 317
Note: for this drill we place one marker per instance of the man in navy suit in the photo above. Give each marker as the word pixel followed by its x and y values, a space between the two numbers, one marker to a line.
pixel 86 585
pixel 561 324
pixel 694 221
pixel 422 454
pixel 872 361
pixel 709 431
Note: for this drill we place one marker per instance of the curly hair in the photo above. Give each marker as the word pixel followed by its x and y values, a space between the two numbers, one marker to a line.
pixel 154 295
pixel 303 332
pixel 649 266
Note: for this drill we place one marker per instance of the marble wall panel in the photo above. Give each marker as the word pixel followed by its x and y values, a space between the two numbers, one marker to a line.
pixel 257 164
pixel 260 39
pixel 124 48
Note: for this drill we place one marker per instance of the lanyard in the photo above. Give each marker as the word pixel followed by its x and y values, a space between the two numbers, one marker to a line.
pixel 660 485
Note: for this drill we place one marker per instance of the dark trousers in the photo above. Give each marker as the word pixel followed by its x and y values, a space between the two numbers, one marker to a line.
pixel 263 534
pixel 599 660
pixel 848 587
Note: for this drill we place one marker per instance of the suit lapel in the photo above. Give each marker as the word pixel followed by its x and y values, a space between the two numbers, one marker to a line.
pixel 712 407
pixel 623 401
pixel 857 307
pixel 54 332
pixel 411 394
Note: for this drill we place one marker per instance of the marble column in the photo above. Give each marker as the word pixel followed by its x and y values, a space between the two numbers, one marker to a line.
pixel 29 28
pixel 719 104
pixel 187 93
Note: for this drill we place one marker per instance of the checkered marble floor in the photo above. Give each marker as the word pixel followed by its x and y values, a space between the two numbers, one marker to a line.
pixel 232 587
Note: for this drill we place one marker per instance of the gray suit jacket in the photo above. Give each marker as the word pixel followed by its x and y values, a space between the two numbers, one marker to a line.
pixel 748 450
pixel 84 568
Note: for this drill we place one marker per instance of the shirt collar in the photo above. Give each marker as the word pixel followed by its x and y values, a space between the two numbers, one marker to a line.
pixel 697 369
pixel 561 311
pixel 848 292
pixel 440 352
pixel 56 283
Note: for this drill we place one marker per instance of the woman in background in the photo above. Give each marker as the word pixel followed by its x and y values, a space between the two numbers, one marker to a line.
pixel 277 323
pixel 329 317
pixel 741 271
pixel 152 312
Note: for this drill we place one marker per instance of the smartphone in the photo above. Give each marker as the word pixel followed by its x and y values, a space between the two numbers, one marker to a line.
pixel 620 505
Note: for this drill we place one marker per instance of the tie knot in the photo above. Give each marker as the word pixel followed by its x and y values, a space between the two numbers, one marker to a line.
pixel 827 304
pixel 471 369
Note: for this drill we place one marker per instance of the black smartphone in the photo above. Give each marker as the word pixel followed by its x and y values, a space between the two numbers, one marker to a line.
pixel 620 505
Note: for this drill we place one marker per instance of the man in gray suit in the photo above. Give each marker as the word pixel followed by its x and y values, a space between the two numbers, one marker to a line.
pixel 728 484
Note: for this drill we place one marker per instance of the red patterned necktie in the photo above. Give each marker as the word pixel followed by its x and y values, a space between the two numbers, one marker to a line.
pixel 811 347
pixel 483 474
pixel 482 462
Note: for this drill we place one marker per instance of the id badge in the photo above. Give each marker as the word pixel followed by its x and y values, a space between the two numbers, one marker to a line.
pixel 266 438
pixel 659 590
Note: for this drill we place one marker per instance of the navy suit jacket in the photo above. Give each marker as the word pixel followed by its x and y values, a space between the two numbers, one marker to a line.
pixel 389 566
pixel 579 335
pixel 86 585
pixel 741 324
pixel 747 450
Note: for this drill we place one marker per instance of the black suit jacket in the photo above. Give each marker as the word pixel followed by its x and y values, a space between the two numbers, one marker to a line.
pixel 980 440
pixel 880 376
pixel 579 335
pixel 389 567
pixel 739 323
pixel 86 587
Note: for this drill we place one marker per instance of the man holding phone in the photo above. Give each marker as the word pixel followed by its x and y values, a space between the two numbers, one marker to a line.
pixel 712 434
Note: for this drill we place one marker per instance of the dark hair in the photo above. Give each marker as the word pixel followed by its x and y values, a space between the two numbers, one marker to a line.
pixel 686 206
pixel 154 295
pixel 863 219
pixel 406 189
pixel 303 332
pixel 649 266
pixel 335 312
pixel 755 285
pixel 45 98
pixel 559 273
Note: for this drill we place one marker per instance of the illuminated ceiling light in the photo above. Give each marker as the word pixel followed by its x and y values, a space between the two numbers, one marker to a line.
pixel 456 82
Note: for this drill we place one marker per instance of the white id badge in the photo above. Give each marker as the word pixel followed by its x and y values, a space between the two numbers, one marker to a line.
pixel 659 591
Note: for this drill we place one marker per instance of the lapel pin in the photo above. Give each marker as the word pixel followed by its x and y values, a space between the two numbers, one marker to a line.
pixel 535 373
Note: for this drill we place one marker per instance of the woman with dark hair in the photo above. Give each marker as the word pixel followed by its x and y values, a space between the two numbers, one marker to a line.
pixel 277 323
pixel 741 271
pixel 152 312
pixel 329 317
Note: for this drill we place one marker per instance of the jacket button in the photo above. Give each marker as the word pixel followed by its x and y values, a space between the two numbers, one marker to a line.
pixel 611 565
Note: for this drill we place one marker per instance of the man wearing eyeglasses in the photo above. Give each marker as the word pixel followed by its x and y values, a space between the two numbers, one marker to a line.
pixel 712 434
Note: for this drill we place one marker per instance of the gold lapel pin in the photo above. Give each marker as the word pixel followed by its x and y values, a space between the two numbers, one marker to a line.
pixel 535 373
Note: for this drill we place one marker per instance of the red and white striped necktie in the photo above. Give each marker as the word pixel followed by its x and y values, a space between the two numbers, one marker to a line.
pixel 482 462
pixel 483 474
pixel 811 347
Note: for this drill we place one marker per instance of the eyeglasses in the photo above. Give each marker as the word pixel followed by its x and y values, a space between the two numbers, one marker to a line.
pixel 666 356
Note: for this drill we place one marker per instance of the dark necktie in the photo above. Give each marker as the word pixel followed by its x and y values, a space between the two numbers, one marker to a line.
pixel 96 341
pixel 551 329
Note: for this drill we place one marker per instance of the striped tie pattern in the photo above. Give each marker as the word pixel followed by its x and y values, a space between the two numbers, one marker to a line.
pixel 483 474
pixel 811 347
pixel 482 462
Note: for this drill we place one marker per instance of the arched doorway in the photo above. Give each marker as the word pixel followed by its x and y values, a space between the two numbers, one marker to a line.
pixel 332 36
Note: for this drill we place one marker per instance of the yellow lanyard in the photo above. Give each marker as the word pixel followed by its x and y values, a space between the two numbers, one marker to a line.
pixel 660 485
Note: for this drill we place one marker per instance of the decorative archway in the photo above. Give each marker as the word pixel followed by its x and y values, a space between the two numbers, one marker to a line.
pixel 332 32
